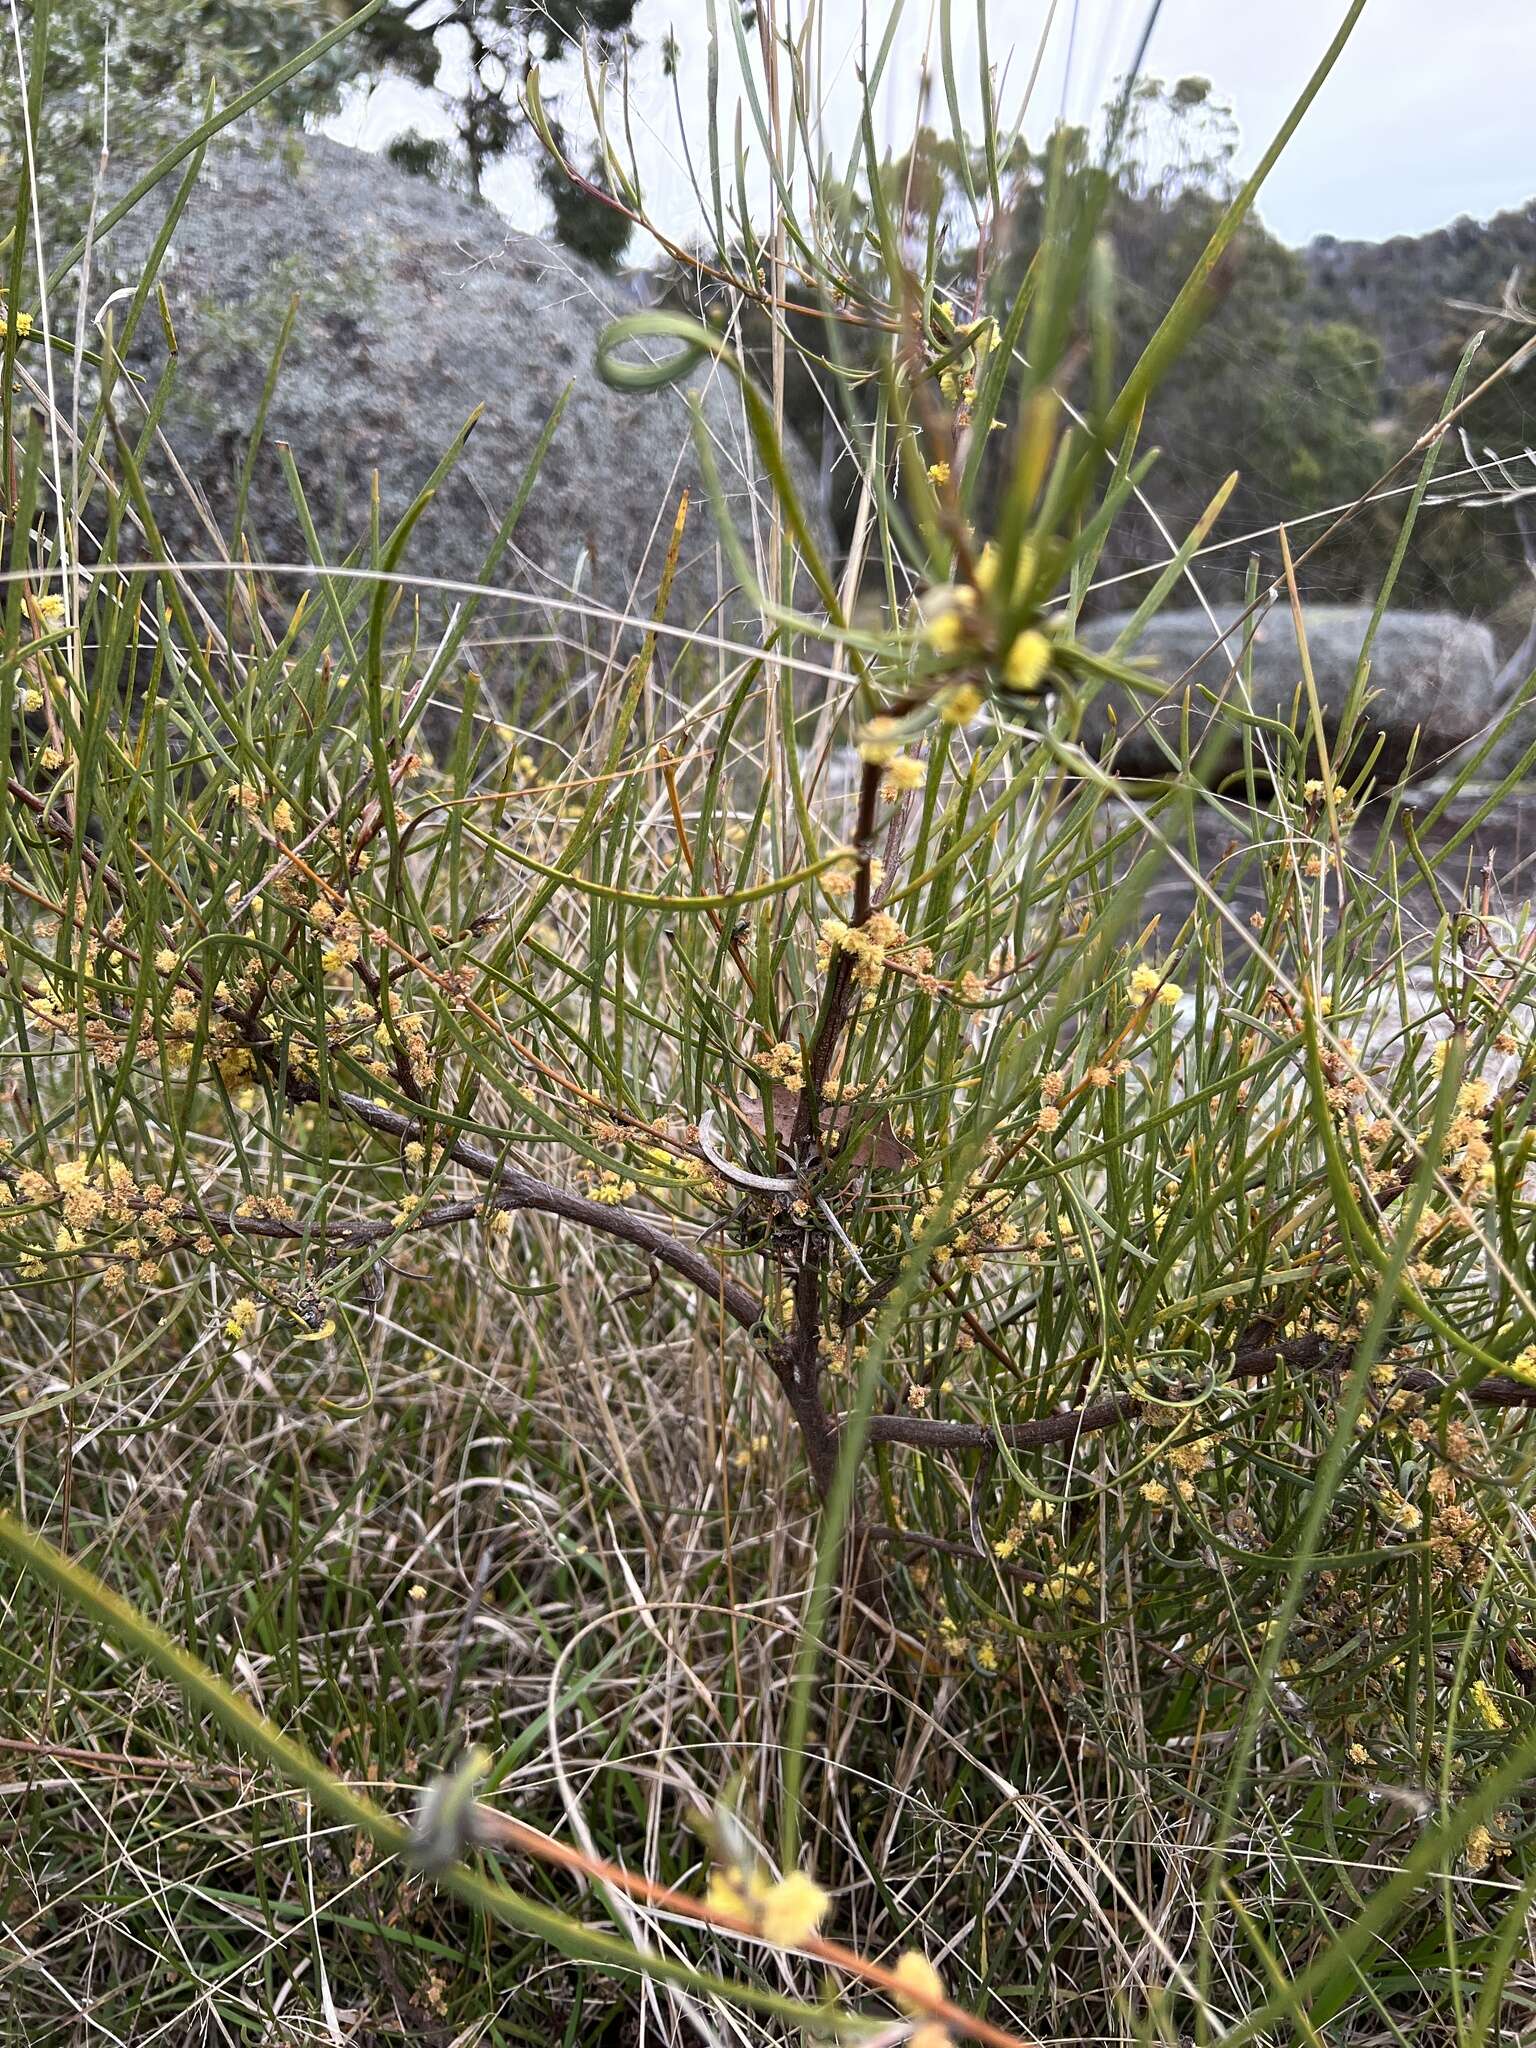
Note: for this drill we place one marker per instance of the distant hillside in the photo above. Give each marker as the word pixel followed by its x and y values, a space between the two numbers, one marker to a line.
pixel 1316 368
pixel 1400 291
pixel 1314 372
pixel 1416 297
pixel 1309 379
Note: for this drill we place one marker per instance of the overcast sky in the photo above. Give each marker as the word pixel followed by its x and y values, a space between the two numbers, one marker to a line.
pixel 1430 113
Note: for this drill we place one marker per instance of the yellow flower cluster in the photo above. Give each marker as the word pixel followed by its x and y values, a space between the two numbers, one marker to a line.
pixel 1190 1456
pixel 1344 1086
pixel 786 1910
pixel 1027 1523
pixel 1186 1457
pixel 951 627
pixel 903 773
pixel 1400 1512
pixel 948 618
pixel 611 1189
pixel 921 1984
pixel 781 1062
pixel 1148 984
pixel 755 1447
pixel 1482 1845
pixel 959 704
pixel 234 1060
pixel 843 879
pixel 343 934
pixel 979 1223
pixel 868 944
pixel 102 1202
pixel 1070 1584
pixel 987 567
pixel 952 1640
pixel 1027 662
pixel 1486 1707
pixel 241 1320
pixel 84 1201
pixel 1468 1154
pixel 879 744
pixel 408 1036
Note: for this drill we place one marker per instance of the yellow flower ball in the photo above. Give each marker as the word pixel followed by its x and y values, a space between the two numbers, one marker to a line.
pixel 921 1983
pixel 792 1910
pixel 1027 662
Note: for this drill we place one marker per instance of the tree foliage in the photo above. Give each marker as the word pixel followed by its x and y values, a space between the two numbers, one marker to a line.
pixel 475 55
pixel 133 77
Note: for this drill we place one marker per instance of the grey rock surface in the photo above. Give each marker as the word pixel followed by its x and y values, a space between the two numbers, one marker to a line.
pixel 1432 674
pixel 1515 744
pixel 415 307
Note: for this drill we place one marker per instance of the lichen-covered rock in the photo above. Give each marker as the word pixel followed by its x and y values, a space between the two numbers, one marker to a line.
pixel 1433 675
pixel 415 307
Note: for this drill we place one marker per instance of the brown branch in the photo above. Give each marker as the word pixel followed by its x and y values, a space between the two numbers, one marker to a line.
pixel 948 1546
pixel 796 1357
pixel 1298 1354
pixel 701 267
pixel 58 828
pixel 517 1190
pixel 928 1433
pixel 501 1831
pixel 796 1362
pixel 840 999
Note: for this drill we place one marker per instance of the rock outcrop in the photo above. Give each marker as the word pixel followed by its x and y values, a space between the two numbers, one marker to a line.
pixel 416 306
pixel 1433 681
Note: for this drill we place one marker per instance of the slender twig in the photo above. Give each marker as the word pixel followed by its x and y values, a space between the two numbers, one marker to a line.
pixel 1295 1354
pixel 516 1190
pixel 501 1831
